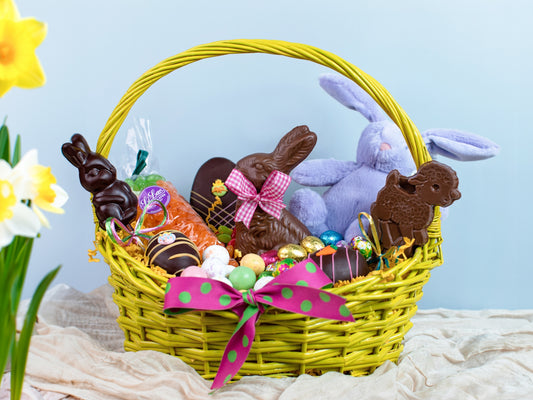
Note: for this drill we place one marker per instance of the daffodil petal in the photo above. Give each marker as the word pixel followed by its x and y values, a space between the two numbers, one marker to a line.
pixel 6 236
pixel 31 74
pixel 35 30
pixel 61 196
pixel 24 222
pixel 43 220
pixel 6 85
pixel 5 170
pixel 8 10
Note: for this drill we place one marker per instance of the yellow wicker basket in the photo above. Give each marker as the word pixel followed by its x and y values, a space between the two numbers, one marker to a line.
pixel 285 344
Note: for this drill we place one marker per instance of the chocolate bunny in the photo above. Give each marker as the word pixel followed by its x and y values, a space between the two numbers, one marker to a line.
pixel 265 231
pixel 111 197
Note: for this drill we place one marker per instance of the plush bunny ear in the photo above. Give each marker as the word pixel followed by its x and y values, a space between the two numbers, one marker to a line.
pixel 458 145
pixel 349 94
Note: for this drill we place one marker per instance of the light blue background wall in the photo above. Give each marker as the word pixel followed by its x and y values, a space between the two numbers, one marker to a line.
pixel 457 64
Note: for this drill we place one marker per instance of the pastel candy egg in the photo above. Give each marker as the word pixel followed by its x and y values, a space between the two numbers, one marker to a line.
pixel 331 237
pixel 216 251
pixel 194 271
pixel 294 251
pixel 242 278
pixel 254 262
pixel 223 279
pixel 261 282
pixel 215 267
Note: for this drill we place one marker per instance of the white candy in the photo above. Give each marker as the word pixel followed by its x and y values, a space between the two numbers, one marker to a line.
pixel 261 282
pixel 216 251
pixel 216 267
pixel 222 279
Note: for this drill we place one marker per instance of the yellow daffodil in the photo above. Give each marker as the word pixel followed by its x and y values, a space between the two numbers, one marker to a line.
pixel 38 184
pixel 16 218
pixel 19 38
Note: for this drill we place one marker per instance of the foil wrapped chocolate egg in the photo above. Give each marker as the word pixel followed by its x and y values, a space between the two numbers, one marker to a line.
pixel 281 266
pixel 331 237
pixel 294 251
pixel 312 244
pixel 360 244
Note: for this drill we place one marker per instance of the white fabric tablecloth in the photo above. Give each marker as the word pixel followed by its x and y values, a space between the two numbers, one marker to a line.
pixel 448 354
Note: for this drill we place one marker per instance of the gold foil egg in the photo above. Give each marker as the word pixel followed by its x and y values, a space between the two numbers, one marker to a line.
pixel 312 244
pixel 294 251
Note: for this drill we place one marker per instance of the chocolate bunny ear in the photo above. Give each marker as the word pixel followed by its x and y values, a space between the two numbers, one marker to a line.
pixel 293 148
pixel 74 154
pixel 80 142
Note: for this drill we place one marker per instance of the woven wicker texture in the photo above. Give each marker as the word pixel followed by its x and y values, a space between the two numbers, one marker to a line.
pixel 285 344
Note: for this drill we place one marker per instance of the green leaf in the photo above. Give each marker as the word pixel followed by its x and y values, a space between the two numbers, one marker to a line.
pixel 4 143
pixel 16 152
pixel 20 353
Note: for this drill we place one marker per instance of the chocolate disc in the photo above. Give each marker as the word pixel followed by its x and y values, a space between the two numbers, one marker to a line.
pixel 343 265
pixel 172 251
pixel 208 184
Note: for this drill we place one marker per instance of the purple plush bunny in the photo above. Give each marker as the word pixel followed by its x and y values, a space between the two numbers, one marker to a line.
pixel 353 186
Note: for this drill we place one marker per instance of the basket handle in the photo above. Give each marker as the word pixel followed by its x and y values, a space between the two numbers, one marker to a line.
pixel 411 134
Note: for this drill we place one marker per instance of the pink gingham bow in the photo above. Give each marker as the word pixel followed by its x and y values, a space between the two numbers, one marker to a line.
pixel 270 198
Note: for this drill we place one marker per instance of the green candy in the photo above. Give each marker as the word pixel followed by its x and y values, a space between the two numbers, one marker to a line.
pixel 242 278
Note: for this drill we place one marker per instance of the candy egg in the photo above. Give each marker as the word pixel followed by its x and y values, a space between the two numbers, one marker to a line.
pixel 242 278
pixel 172 251
pixel 223 279
pixel 254 262
pixel 360 244
pixel 261 282
pixel 294 251
pixel 312 244
pixel 216 251
pixel 270 257
pixel 194 271
pixel 282 266
pixel 215 267
pixel 331 237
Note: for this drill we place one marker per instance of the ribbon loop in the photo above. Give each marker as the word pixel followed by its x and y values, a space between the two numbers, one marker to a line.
pixel 138 232
pixel 296 290
pixel 269 199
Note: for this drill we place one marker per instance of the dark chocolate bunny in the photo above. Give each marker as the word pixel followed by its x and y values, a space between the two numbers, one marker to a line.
pixel 111 197
pixel 265 231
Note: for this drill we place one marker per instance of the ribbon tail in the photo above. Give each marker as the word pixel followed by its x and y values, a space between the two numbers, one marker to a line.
pixel 238 347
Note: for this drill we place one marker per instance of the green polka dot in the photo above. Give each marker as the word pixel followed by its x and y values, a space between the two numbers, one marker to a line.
pixel 227 379
pixel 245 341
pixel 167 289
pixel 286 293
pixel 185 297
pixel 225 299
pixel 310 267
pixel 267 298
pixel 343 310
pixel 325 297
pixel 232 356
pixel 306 306
pixel 206 287
pixel 302 283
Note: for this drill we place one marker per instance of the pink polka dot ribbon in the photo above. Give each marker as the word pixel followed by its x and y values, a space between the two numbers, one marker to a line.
pixel 270 198
pixel 296 290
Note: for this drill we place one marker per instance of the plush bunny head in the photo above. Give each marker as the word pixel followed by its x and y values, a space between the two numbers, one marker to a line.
pixel 291 150
pixel 95 171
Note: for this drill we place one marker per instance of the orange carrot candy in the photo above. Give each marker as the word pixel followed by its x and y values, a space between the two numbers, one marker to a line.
pixel 183 218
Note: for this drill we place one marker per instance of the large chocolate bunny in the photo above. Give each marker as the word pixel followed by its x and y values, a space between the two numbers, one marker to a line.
pixel 111 197
pixel 265 231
